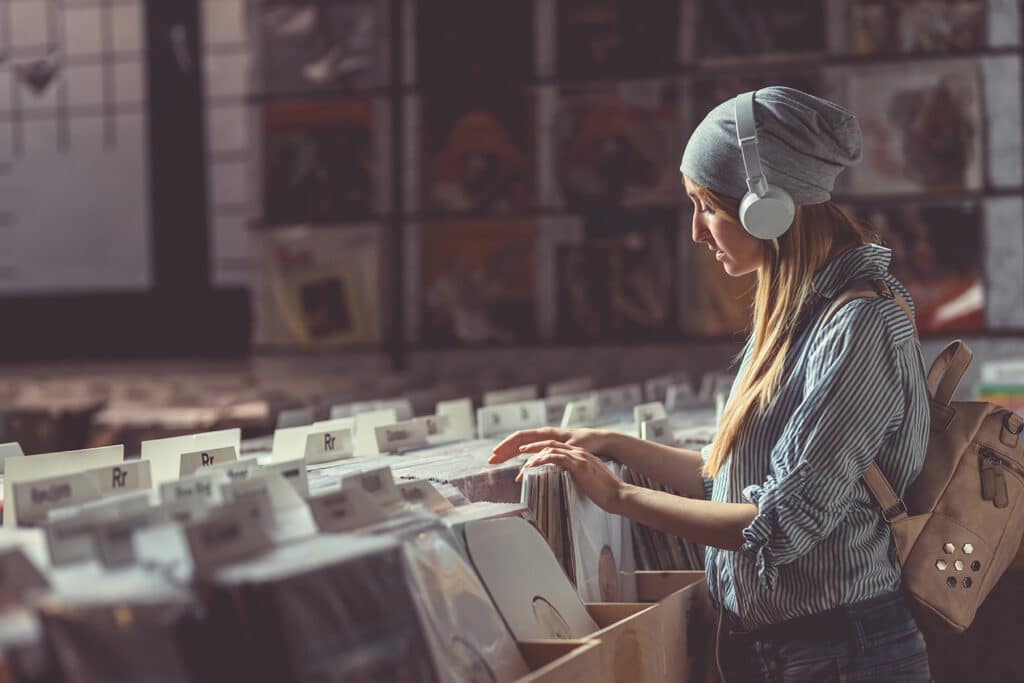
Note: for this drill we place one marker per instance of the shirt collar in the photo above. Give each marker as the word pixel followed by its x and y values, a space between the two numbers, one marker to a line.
pixel 868 261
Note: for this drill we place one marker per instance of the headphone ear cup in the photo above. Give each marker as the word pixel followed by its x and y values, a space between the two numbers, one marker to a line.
pixel 769 216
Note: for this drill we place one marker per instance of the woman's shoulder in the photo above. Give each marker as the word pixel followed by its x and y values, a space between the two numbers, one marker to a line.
pixel 879 320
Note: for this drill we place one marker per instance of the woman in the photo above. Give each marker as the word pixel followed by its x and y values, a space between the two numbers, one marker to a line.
pixel 799 558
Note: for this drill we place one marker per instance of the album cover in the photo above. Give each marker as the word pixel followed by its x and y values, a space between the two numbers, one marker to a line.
pixel 319 162
pixel 478 155
pixel 317 45
pixel 746 29
pixel 886 27
pixel 938 255
pixel 318 286
pixel 533 594
pixel 923 128
pixel 619 282
pixel 617 145
pixel 473 44
pixel 602 545
pixel 616 37
pixel 478 282
pixel 712 303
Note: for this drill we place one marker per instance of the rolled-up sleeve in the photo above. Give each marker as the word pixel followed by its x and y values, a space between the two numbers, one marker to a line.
pixel 853 400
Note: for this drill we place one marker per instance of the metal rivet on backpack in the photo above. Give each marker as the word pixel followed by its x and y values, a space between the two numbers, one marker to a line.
pixel 949 548
pixel 959 565
pixel 941 565
pixel 951 582
pixel 968 548
pixel 975 566
pixel 968 582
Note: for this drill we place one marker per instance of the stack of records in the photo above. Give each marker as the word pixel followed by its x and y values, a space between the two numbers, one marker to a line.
pixel 656 550
pixel 398 603
pixel 593 546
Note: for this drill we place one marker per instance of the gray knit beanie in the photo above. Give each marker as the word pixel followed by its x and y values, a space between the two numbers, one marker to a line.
pixel 804 142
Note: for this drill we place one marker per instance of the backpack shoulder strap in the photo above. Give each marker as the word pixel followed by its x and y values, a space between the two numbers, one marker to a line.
pixel 892 506
pixel 868 289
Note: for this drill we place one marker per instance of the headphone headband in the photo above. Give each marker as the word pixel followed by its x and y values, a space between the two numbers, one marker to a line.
pixel 766 211
pixel 746 131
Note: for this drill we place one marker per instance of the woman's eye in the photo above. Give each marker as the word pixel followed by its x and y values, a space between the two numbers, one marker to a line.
pixel 708 210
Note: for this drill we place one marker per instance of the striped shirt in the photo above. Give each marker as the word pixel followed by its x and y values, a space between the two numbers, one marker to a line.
pixel 853 391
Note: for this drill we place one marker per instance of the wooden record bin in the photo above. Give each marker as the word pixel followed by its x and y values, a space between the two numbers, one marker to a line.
pixel 666 637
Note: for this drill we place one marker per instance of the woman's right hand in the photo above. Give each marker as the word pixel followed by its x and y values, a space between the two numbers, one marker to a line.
pixel 535 440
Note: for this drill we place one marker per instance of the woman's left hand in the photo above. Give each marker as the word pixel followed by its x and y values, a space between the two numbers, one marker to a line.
pixel 587 470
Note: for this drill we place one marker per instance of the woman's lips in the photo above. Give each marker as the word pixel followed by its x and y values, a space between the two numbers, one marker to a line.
pixel 719 255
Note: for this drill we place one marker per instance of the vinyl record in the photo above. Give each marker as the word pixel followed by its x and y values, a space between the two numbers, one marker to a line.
pixel 532 593
pixel 471 642
pixel 602 549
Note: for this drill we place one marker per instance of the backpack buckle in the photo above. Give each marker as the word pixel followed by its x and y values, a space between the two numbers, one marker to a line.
pixel 891 513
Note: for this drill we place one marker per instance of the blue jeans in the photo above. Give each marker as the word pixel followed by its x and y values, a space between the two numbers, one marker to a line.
pixel 874 640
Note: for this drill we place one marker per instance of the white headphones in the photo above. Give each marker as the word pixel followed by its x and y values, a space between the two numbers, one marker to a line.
pixel 766 211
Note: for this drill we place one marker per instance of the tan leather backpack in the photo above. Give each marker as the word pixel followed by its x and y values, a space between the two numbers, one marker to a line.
pixel 960 524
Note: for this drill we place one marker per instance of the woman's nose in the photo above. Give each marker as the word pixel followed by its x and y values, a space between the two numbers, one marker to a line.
pixel 699 232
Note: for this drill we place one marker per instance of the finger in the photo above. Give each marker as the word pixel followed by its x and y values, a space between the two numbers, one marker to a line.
pixel 560 459
pixel 509 447
pixel 539 445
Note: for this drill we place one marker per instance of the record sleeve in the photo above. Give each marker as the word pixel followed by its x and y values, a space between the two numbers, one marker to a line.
pixel 617 38
pixel 319 45
pixel 318 286
pixel 532 593
pixel 472 44
pixel 923 128
pixel 602 547
pixel 619 282
pixel 478 154
pixel 470 640
pixel 334 607
pixel 617 145
pixel 746 29
pixel 712 303
pixel 478 282
pixel 319 161
pixel 910 26
pixel 937 254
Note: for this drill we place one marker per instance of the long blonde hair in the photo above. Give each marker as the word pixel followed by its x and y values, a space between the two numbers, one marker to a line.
pixel 819 233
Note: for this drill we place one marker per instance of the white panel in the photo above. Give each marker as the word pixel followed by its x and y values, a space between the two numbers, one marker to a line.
pixel 1003 118
pixel 86 227
pixel 29 26
pixel 127 23
pixel 38 136
pixel 44 101
pixel 227 75
pixel 227 127
pixel 1004 262
pixel 228 181
pixel 83 31
pixel 129 79
pixel 232 251
pixel 6 143
pixel 1003 26
pixel 85 84
pixel 5 88
pixel 224 22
